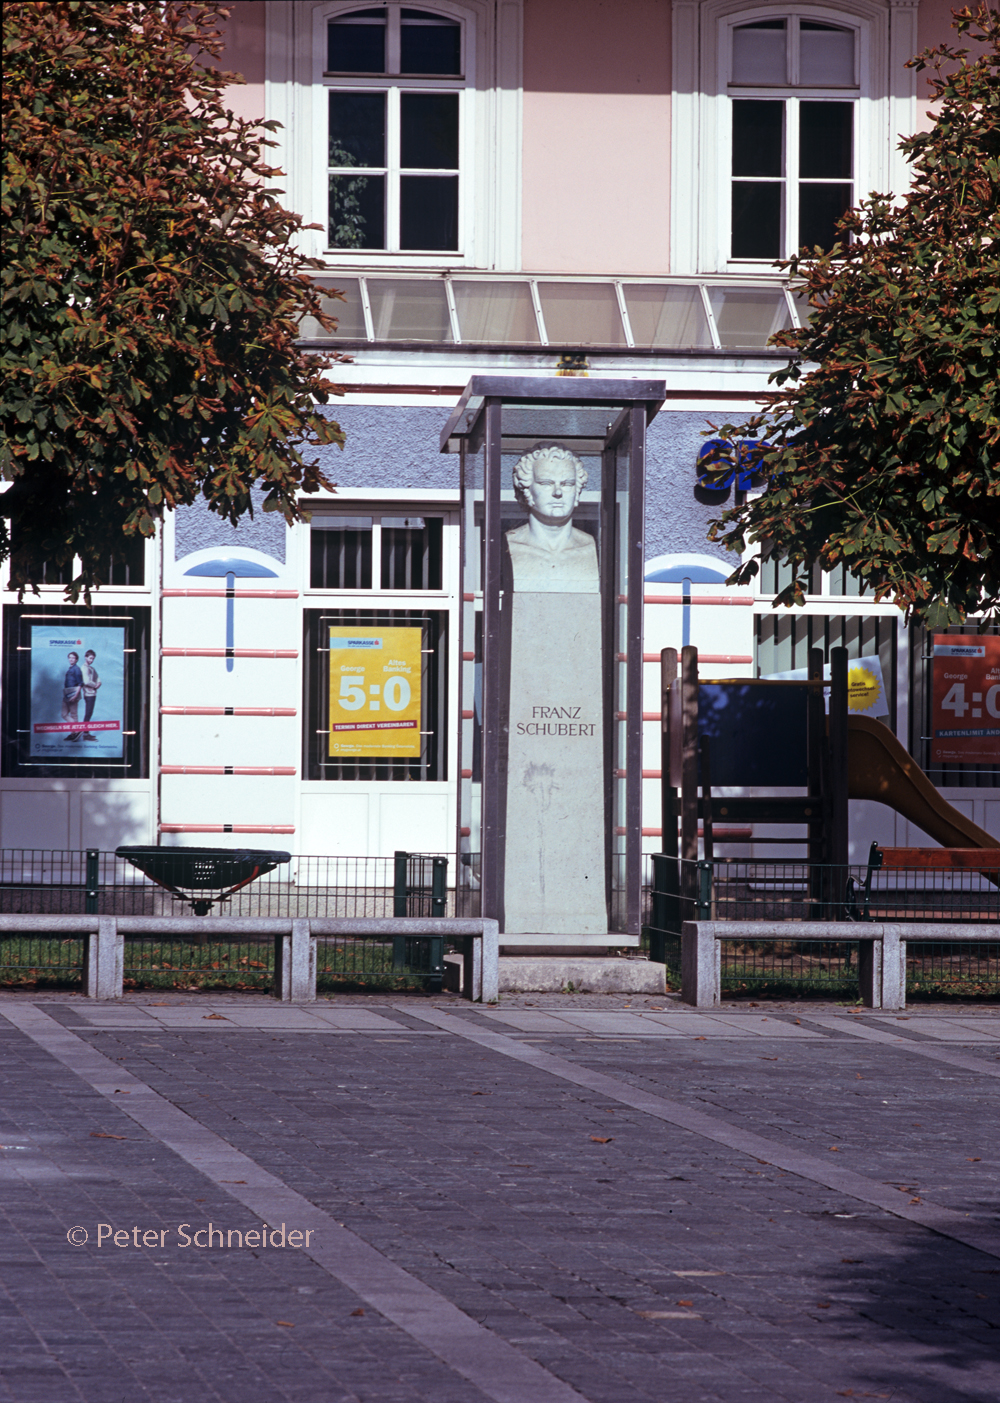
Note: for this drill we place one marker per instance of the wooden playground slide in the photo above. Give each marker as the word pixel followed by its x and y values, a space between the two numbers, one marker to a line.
pixel 879 768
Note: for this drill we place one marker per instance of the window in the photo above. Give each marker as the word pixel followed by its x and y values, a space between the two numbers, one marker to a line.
pixel 792 156
pixel 127 567
pixel 399 553
pixel 782 118
pixel 395 89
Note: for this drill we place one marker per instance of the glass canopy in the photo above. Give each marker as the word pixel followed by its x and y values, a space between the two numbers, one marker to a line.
pixel 615 314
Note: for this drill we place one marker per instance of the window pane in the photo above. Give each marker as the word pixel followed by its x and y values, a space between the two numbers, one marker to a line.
pixel 757 219
pixel 820 206
pixel 666 316
pixel 581 314
pixel 496 312
pixel 411 552
pixel 429 44
pixel 356 43
pixel 409 309
pixel 428 135
pixel 428 212
pixel 758 130
pixel 826 146
pixel 759 53
pixel 340 552
pixel 129 571
pixel 746 317
pixel 826 56
pixel 357 211
pixel 357 129
pixel 349 313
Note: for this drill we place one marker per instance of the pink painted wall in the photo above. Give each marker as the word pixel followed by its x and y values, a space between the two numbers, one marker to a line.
pixel 244 53
pixel 596 145
pixel 933 28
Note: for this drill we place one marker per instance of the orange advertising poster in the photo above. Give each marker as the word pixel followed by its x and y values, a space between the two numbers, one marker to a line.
pixel 965 711
pixel 375 692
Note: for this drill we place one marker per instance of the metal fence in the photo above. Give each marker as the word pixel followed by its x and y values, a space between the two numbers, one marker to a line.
pixel 789 891
pixel 43 881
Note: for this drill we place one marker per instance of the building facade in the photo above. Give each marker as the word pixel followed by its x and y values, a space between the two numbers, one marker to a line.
pixel 523 187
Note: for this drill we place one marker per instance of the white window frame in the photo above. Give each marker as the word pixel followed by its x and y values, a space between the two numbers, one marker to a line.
pixel 701 125
pixel 489 128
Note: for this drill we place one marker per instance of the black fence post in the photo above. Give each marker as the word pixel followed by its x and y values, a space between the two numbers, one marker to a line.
pixel 91 898
pixel 400 886
pixel 704 908
pixel 439 886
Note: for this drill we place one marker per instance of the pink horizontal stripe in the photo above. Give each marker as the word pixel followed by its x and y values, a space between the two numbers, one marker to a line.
pixel 221 770
pixel 694 599
pixel 223 828
pixel 717 832
pixel 702 657
pixel 221 711
pixel 234 653
pixel 223 594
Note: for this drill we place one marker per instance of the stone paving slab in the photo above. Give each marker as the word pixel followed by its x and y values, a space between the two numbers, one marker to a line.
pixel 574 1228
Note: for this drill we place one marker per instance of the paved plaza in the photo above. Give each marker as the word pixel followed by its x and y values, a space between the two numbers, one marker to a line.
pixel 417 1200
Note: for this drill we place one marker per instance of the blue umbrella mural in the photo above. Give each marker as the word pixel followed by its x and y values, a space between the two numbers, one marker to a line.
pixel 231 566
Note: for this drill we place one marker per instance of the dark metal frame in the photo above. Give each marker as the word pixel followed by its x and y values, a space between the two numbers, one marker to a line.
pixel 14 759
pixel 476 424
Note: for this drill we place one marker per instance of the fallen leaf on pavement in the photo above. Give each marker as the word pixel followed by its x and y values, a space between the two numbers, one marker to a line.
pixel 602 1139
pixel 287 1323
pixel 973 1159
pixel 225 1020
pixel 236 1181
pixel 100 1135
pixel 122 1091
pixel 835 1149
pixel 685 1303
pixel 359 1311
pixel 482 1093
pixel 822 1305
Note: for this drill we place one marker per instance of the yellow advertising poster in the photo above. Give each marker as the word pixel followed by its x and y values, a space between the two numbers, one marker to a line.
pixel 375 692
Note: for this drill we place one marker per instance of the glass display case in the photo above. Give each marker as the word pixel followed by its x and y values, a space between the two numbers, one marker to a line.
pixel 551 681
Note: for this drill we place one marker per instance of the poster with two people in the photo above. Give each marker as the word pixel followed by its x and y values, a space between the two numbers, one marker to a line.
pixel 77 691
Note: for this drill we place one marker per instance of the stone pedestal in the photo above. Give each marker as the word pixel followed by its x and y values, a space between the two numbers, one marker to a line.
pixel 554 870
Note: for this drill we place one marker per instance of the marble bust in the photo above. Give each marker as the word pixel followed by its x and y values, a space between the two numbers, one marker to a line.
pixel 548 553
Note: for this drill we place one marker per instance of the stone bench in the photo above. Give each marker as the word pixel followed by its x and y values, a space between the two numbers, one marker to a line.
pixel 881 951
pixel 295 944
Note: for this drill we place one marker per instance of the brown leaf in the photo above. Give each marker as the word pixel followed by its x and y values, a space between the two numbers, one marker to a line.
pixel 916 1200
pixel 122 1091
pixel 602 1139
pixel 700 1038
pixel 973 1159
pixel 685 1303
pixel 835 1149
pixel 822 1305
pixel 100 1135
pixel 359 1311
pixel 482 1093
pixel 232 1181
pixel 216 1015
pixel 287 1323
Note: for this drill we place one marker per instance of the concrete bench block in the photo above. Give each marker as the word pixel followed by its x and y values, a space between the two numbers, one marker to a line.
pixel 588 974
pixel 701 965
